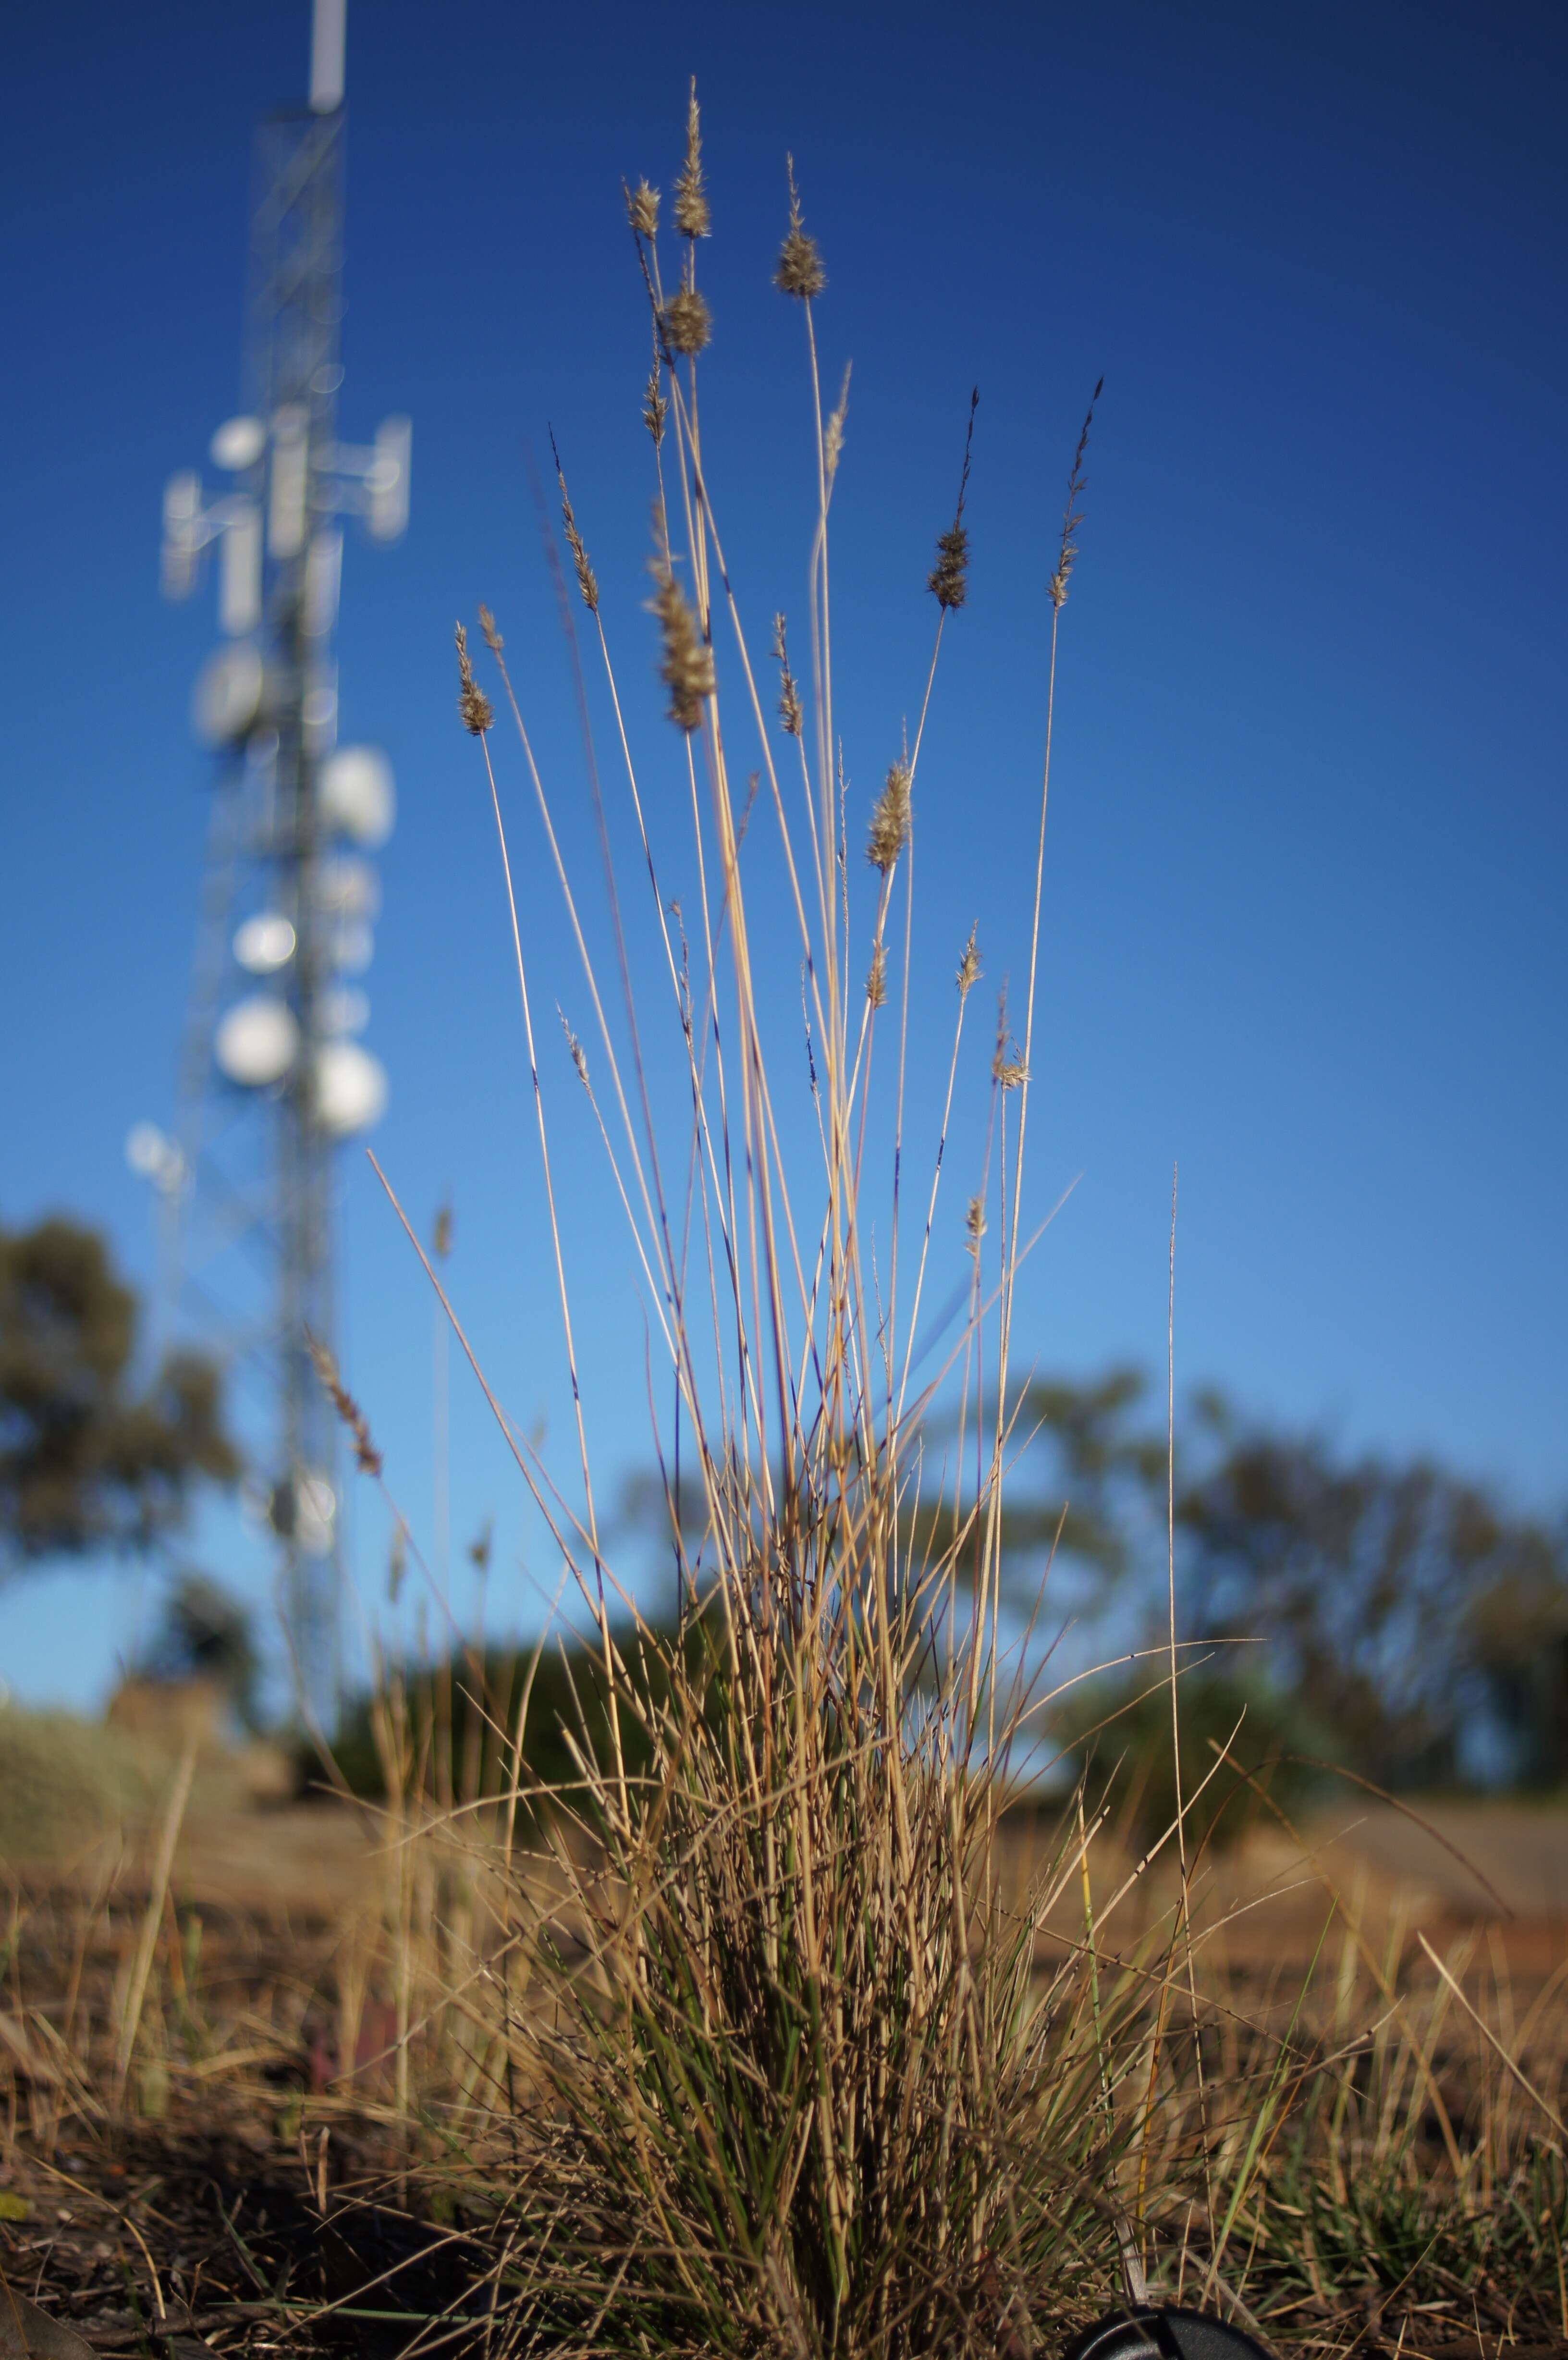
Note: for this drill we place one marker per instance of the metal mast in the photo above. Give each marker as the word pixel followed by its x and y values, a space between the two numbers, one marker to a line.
pixel 272 1079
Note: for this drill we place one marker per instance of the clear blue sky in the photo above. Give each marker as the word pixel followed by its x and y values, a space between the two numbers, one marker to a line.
pixel 1305 887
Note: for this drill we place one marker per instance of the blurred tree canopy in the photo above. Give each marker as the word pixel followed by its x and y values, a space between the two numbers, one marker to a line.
pixel 1394 1592
pixel 1409 1612
pixel 87 1461
pixel 1406 1610
pixel 205 1633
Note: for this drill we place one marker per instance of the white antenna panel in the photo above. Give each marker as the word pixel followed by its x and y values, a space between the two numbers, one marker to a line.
pixel 181 533
pixel 323 577
pixel 355 796
pixel 290 466
pixel 239 573
pixel 228 694
pixel 329 30
pixel 387 516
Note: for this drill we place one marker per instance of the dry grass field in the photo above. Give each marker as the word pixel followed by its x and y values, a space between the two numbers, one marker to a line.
pixel 264 2164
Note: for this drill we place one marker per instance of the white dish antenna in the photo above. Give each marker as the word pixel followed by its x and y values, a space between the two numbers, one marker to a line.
pixel 345 1009
pixel 238 445
pixel 153 1156
pixel 350 1089
pixel 355 796
pixel 265 944
pixel 315 1513
pixel 227 699
pixel 352 949
pixel 256 1043
pixel 348 888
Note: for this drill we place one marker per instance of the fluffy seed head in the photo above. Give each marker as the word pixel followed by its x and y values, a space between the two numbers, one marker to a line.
pixel 688 322
pixel 876 979
pixel 1006 1066
pixel 586 581
pixel 790 716
pixel 475 709
pixel 493 638
pixel 947 580
pixel 575 1047
pixel 832 433
pixel 890 820
pixel 687 669
pixel 800 271
pixel 691 216
pixel 975 1226
pixel 642 209
pixel 968 967
pixel 655 409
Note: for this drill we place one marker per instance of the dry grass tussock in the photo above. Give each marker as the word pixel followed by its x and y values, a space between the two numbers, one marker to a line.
pixel 745 2036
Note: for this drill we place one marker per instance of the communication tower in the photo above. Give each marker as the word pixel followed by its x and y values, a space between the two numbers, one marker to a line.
pixel 272 1075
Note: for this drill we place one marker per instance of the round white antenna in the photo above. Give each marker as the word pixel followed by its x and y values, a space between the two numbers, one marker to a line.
pixel 356 795
pixel 315 1512
pixel 348 888
pixel 238 445
pixel 345 1009
pixel 350 1089
pixel 265 944
pixel 352 949
pixel 256 1043
pixel 228 696
pixel 154 1156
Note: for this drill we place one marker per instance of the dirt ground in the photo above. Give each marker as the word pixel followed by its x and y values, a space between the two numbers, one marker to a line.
pixel 241 2223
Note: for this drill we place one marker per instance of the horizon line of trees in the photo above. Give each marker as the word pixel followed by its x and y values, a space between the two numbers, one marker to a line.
pixel 1408 1611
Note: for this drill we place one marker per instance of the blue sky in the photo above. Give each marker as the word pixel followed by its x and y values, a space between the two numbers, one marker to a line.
pixel 1305 873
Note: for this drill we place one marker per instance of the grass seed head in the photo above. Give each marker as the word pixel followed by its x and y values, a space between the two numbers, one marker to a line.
pixel 832 433
pixel 475 709
pixel 968 966
pixel 587 581
pixel 687 669
pixel 1008 1067
pixel 975 1226
pixel 655 409
pixel 691 216
pixel 800 271
pixel 688 322
pixel 366 1456
pixel 790 715
pixel 890 820
pixel 1073 516
pixel 493 638
pixel 947 580
pixel 575 1047
pixel 642 209
pixel 877 977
